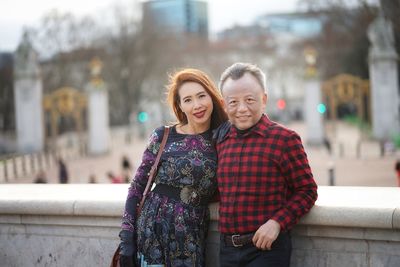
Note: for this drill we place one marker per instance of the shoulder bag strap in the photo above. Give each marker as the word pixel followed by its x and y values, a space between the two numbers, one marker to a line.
pixel 153 169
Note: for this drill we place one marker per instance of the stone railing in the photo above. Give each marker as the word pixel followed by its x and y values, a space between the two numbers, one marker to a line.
pixel 77 225
pixel 15 166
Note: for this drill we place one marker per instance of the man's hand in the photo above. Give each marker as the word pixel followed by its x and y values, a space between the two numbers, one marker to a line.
pixel 266 235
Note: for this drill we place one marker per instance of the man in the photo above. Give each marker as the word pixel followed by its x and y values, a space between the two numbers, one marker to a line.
pixel 265 182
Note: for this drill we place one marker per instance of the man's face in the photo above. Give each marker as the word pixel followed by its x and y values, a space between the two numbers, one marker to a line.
pixel 244 101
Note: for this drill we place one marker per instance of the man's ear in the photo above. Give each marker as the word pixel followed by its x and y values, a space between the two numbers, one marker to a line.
pixel 264 100
pixel 224 104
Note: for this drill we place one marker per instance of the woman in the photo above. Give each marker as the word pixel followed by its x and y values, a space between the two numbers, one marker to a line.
pixel 172 226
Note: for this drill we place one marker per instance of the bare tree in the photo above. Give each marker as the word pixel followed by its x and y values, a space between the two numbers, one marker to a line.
pixel 136 64
pixel 64 43
pixel 391 10
pixel 343 44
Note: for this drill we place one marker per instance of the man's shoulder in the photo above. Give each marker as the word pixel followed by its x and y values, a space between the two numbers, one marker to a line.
pixel 275 128
pixel 220 133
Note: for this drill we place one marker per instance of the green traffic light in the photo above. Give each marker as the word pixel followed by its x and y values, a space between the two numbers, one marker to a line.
pixel 143 116
pixel 321 108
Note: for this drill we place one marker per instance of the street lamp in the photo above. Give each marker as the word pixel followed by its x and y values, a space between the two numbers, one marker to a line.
pixel 310 56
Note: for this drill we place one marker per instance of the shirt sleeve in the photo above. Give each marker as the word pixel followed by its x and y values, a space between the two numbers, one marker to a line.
pixel 302 189
pixel 139 182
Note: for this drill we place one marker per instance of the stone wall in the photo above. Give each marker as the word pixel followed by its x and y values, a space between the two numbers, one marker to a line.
pixel 77 225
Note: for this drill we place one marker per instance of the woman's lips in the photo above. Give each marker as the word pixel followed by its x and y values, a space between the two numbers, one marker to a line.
pixel 199 114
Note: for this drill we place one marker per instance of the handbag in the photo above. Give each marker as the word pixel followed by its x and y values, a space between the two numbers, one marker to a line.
pixel 116 257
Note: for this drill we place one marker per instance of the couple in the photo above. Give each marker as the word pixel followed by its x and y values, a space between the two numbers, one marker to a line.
pixel 263 177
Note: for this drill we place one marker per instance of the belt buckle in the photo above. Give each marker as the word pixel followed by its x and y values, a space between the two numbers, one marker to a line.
pixel 189 196
pixel 233 241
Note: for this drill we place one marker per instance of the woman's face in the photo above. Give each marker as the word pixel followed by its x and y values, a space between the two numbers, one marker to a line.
pixel 196 103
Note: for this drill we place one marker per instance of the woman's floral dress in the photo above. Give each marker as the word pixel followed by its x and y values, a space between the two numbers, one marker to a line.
pixel 173 231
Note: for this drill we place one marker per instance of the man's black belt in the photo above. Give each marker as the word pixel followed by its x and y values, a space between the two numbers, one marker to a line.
pixel 238 240
pixel 186 194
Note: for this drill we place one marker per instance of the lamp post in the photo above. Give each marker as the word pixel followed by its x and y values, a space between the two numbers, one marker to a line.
pixel 310 57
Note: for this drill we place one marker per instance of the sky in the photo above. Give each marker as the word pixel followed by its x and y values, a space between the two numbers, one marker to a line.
pixel 15 14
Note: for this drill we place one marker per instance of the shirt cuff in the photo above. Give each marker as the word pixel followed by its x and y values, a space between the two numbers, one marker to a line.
pixel 284 218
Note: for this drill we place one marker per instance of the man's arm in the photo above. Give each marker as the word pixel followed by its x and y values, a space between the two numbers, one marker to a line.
pixel 300 182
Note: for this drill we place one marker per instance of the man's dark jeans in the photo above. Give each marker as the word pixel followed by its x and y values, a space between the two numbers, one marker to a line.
pixel 250 256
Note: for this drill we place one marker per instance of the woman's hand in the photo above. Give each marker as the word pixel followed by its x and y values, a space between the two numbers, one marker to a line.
pixel 126 261
pixel 128 249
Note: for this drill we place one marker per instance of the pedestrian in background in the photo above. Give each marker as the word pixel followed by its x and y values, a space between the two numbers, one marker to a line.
pixel 114 179
pixel 397 169
pixel 126 169
pixel 63 174
pixel 92 179
pixel 40 177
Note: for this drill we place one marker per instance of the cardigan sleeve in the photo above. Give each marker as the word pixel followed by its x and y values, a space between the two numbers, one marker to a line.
pixel 138 184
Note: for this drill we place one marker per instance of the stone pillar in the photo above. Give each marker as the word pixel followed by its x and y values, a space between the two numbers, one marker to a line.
pixel 384 80
pixel 98 116
pixel 314 119
pixel 28 94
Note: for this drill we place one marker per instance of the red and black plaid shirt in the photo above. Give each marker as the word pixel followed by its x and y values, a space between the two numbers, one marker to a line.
pixel 263 174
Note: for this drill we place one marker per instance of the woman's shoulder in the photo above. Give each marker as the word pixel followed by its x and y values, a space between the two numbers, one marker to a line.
pixel 158 132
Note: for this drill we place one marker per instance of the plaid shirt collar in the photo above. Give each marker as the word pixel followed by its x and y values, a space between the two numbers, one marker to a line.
pixel 260 128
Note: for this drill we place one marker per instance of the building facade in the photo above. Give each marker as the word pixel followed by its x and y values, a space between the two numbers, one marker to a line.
pixel 176 16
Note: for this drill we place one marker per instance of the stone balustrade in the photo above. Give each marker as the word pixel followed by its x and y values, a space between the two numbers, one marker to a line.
pixel 70 146
pixel 78 225
pixel 16 166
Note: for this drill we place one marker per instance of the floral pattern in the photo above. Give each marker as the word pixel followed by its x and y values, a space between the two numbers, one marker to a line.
pixel 170 231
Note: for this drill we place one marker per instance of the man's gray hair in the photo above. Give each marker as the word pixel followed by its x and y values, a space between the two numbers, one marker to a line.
pixel 237 70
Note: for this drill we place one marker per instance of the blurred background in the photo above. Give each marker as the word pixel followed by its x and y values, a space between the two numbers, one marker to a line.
pixel 82 83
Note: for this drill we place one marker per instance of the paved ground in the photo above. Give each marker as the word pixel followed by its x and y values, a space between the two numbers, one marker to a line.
pixel 368 170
